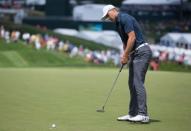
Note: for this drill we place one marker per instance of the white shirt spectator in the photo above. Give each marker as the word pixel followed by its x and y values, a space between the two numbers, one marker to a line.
pixel 17 35
pixel 60 45
pixel 74 52
pixel 7 36
pixel 2 32
pixel 26 36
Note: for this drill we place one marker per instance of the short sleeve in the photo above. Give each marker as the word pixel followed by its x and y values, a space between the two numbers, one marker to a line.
pixel 128 24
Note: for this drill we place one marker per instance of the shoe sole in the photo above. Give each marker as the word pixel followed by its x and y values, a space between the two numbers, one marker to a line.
pixel 123 120
pixel 140 122
pixel 135 122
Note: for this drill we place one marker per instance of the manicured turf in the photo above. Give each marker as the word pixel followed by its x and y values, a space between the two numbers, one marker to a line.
pixel 22 55
pixel 31 99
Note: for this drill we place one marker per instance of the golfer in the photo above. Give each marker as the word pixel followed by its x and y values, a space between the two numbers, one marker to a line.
pixel 138 53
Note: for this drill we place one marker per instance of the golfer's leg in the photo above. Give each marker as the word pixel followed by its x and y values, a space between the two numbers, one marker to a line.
pixel 140 69
pixel 133 98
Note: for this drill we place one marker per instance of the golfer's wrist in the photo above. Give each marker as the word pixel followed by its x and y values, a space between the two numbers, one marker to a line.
pixel 126 54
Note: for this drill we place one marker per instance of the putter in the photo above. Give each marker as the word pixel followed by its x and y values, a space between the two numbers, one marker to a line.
pixel 109 94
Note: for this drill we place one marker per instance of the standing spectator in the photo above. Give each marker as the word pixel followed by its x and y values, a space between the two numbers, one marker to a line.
pixel 51 43
pixel 2 31
pixel 81 50
pixel 60 45
pixel 26 37
pixel 15 36
pixel 7 36
pixel 74 51
pixel 37 42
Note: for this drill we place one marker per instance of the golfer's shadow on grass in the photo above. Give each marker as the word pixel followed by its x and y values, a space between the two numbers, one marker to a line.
pixel 150 122
pixel 154 120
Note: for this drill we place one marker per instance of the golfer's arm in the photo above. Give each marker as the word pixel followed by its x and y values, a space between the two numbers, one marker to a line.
pixel 130 43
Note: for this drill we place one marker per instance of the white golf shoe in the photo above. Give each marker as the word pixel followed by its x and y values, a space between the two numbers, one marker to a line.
pixel 140 118
pixel 124 118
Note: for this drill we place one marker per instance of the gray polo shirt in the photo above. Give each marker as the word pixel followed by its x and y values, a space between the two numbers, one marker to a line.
pixel 125 24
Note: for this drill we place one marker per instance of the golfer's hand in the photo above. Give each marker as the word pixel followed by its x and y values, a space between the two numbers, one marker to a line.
pixel 124 59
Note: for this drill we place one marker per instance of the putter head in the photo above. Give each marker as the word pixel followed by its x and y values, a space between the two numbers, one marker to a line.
pixel 100 110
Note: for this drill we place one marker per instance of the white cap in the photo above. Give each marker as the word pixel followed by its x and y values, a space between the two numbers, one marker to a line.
pixel 106 9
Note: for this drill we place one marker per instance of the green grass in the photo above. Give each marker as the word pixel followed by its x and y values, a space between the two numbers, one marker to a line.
pixel 172 66
pixel 22 55
pixel 31 99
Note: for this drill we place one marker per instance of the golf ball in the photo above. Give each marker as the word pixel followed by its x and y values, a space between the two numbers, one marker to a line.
pixel 53 125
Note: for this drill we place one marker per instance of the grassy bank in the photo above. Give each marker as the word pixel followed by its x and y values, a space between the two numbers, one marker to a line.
pixel 22 55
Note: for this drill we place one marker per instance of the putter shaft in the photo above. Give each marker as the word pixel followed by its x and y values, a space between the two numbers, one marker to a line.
pixel 109 94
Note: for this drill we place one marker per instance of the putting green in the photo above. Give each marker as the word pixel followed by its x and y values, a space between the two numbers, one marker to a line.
pixel 32 99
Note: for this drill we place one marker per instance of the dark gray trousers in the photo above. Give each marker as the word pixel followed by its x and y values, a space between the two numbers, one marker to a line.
pixel 139 62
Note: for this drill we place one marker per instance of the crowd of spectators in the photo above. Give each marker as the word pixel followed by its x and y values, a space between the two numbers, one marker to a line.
pixel 52 43
pixel 170 25
pixel 158 28
pixel 174 54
